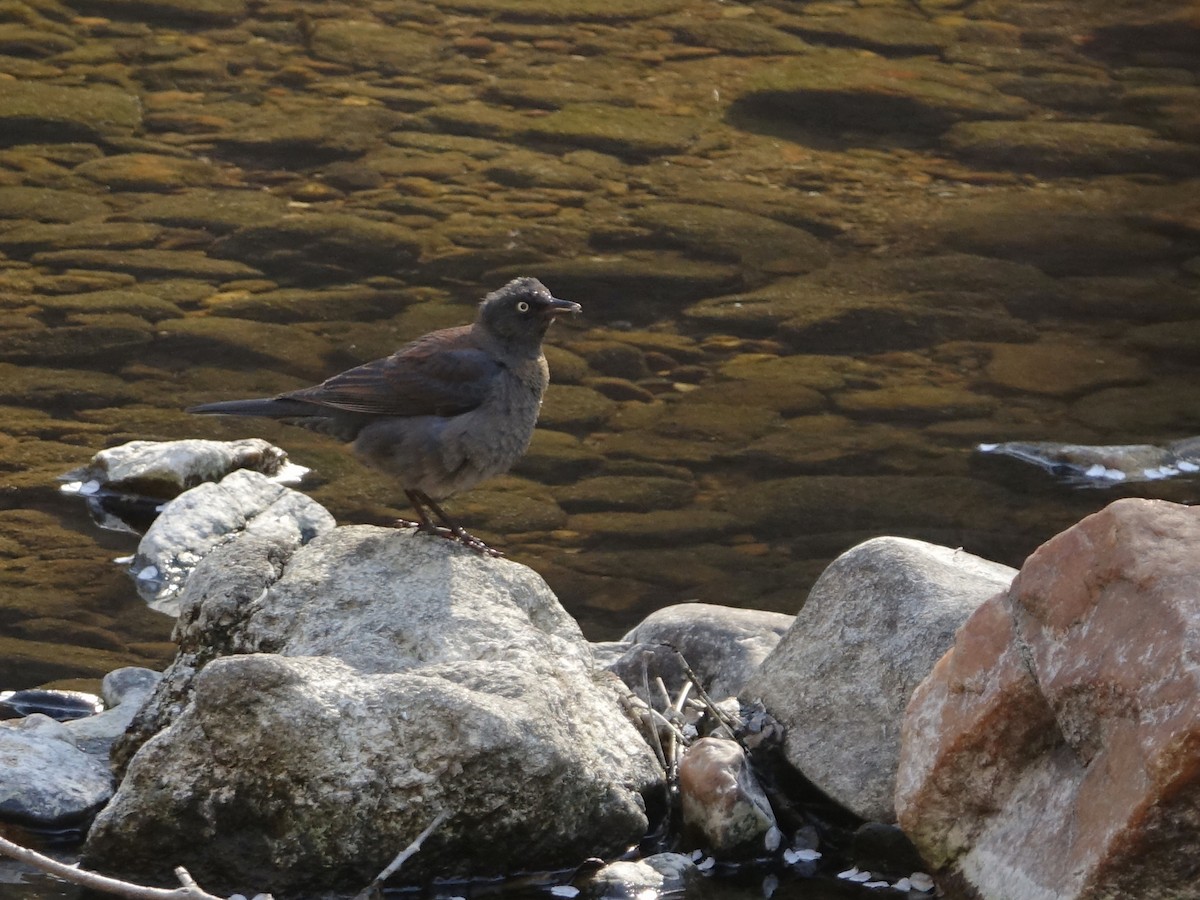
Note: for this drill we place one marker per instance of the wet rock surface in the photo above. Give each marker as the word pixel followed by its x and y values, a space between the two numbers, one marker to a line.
pixel 721 798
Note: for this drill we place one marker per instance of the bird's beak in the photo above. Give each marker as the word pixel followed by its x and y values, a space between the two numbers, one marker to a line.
pixel 559 307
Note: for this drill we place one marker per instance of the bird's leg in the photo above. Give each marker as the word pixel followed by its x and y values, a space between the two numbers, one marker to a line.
pixel 423 522
pixel 455 530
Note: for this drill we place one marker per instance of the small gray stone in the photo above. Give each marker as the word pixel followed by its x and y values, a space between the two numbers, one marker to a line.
pixel 124 691
pixel 47 779
pixel 662 873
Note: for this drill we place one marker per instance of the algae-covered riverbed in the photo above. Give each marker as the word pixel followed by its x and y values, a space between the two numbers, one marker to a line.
pixel 823 249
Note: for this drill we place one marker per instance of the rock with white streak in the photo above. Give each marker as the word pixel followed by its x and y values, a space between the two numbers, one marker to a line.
pixel 164 469
pixel 197 521
pixel 1054 752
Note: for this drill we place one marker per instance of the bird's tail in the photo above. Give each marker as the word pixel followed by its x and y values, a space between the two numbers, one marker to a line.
pixel 267 407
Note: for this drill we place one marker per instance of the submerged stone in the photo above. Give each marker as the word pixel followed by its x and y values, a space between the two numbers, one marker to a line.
pixel 31 238
pixel 759 243
pixel 372 45
pixel 845 89
pixel 219 211
pixel 49 205
pixel 322 244
pixel 149 172
pixel 202 11
pixel 32 111
pixel 1071 148
pixel 177 263
pixel 623 131
pixel 745 38
pixel 580 10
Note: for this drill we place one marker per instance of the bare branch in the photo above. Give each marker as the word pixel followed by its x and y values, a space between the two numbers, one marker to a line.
pixel 372 889
pixel 717 713
pixel 96 882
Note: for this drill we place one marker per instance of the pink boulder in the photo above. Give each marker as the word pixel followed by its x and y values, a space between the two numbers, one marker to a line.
pixel 1054 751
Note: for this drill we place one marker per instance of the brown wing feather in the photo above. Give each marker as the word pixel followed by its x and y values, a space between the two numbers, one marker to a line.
pixel 443 374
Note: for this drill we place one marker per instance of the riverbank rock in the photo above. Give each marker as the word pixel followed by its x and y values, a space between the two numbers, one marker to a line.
pixel 722 645
pixel 328 703
pixel 1055 750
pixel 48 780
pixel 875 623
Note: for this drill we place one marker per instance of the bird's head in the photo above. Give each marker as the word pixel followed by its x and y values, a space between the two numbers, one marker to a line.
pixel 520 312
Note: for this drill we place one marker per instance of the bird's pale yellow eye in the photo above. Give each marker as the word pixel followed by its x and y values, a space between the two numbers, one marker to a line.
pixel 522 306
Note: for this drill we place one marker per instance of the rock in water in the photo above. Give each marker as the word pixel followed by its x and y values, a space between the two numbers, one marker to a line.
pixel 1055 750
pixel 875 623
pixel 210 515
pixel 166 468
pixel 369 681
pixel 722 800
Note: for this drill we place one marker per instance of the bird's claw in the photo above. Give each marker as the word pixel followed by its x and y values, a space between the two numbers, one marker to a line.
pixel 463 537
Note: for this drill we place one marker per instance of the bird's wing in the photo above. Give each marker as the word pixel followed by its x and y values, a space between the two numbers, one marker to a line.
pixel 441 374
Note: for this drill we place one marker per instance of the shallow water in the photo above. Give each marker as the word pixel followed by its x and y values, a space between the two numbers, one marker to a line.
pixel 824 250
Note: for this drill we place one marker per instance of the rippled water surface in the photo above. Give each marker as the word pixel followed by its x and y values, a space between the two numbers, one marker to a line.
pixel 824 250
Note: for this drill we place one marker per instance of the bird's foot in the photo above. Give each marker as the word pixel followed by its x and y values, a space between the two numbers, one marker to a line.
pixel 470 541
pixel 459 534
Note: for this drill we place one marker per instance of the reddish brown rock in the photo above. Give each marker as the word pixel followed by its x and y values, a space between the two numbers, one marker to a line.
pixel 1054 751
pixel 723 804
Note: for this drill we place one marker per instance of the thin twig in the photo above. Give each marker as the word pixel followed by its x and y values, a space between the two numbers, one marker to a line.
pixel 682 698
pixel 73 874
pixel 670 726
pixel 657 745
pixel 665 695
pixel 402 857
pixel 726 722
pixel 674 736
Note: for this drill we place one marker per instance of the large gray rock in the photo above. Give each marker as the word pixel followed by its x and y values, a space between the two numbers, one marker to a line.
pixel 875 623
pixel 723 645
pixel 328 702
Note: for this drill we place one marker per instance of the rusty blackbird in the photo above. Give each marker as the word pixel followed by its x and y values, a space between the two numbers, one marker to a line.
pixel 443 412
